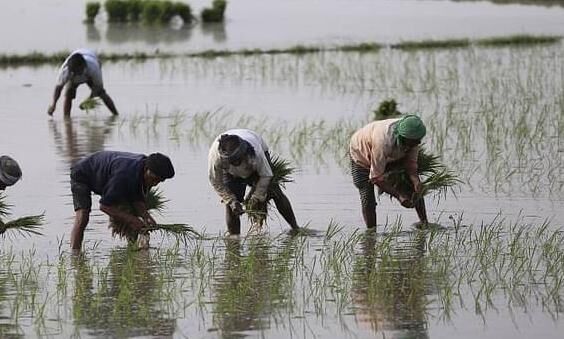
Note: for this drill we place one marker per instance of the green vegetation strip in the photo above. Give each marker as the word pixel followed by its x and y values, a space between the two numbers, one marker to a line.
pixel 36 58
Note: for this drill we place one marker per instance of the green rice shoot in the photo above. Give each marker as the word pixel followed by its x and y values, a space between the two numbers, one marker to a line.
pixel 23 226
pixel 282 171
pixel 155 201
pixel 435 177
pixel 89 104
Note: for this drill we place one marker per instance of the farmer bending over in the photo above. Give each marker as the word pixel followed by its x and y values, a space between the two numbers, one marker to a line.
pixel 119 177
pixel 10 172
pixel 239 158
pixel 81 66
pixel 380 147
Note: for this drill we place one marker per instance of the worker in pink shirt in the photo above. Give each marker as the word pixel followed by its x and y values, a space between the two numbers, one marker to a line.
pixel 377 148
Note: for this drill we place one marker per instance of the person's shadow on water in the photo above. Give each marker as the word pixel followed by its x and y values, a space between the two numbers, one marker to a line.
pixel 76 138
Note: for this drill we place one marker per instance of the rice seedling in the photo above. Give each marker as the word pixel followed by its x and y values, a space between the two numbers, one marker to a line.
pixel 215 13
pixel 436 177
pixel 154 201
pixel 153 11
pixel 183 11
pixel 135 8
pixel 149 11
pixel 89 104
pixel 387 109
pixel 391 277
pixel 92 9
pixel 24 226
pixel 518 40
pixel 117 10
pixel 281 175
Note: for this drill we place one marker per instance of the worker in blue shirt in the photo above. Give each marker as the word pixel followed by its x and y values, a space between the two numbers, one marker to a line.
pixel 118 177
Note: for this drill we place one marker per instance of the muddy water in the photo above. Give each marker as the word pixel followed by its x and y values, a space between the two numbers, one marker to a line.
pixel 494 115
pixel 55 25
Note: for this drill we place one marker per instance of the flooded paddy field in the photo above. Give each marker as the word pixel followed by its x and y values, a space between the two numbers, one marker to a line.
pixel 41 25
pixel 492 264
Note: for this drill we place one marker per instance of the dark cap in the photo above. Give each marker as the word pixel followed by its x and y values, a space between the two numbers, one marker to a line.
pixel 160 165
pixel 10 171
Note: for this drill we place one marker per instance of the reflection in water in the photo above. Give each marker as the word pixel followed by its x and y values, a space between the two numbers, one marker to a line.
pixel 92 33
pixel 117 33
pixel 76 138
pixel 7 328
pixel 215 29
pixel 121 300
pixel 251 286
pixel 390 287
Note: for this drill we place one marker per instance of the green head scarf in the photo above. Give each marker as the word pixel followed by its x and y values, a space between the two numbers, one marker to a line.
pixel 410 127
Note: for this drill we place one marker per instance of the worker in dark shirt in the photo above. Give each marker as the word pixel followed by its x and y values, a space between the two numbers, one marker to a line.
pixel 118 177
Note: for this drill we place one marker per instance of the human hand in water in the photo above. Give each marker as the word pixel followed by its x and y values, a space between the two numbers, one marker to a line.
pixel 236 207
pixel 405 201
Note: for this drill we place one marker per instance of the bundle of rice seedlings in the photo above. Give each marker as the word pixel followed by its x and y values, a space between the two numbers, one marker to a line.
pixel 155 202
pixel 92 9
pixel 215 13
pixel 435 177
pixel 281 175
pixel 23 226
pixel 89 104
pixel 386 110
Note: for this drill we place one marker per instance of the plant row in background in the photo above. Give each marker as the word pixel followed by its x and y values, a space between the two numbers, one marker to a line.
pixel 37 58
pixel 153 11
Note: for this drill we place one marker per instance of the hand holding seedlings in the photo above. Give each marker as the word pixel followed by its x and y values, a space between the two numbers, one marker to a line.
pixel 236 207
pixel 239 158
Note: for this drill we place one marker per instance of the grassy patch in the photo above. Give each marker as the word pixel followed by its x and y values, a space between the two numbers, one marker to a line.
pixel 518 40
pixel 92 9
pixel 36 58
pixel 215 13
pixel 431 44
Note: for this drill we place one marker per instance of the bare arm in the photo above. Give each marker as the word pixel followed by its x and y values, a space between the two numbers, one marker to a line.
pixel 216 180
pixel 411 169
pixel 261 188
pixel 56 96
pixel 388 188
pixel 130 220
pixel 141 208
